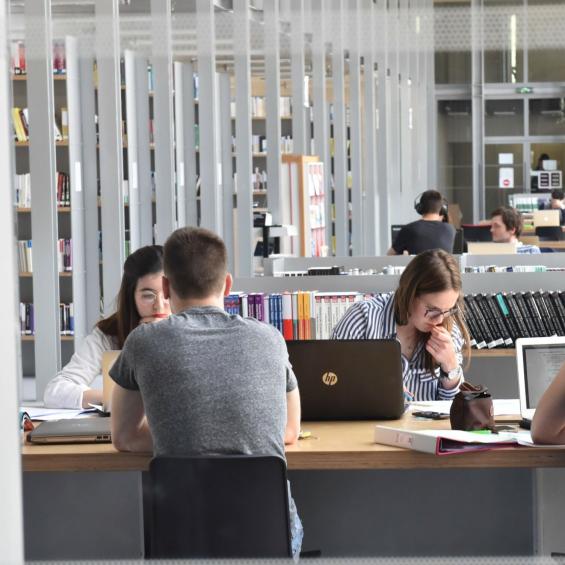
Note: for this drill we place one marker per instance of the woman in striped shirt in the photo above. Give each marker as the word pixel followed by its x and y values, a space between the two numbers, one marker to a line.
pixel 425 314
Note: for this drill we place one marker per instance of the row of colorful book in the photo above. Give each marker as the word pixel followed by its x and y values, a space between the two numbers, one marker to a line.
pixel 20 125
pixel 297 315
pixel 498 320
pixel 64 255
pixel 18 60
pixel 66 319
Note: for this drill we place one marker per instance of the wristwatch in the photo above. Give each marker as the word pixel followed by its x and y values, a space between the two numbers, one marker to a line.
pixel 456 373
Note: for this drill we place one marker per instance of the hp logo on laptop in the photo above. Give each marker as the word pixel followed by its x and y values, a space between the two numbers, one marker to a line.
pixel 329 379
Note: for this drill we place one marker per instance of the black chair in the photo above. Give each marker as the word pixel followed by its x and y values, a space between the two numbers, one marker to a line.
pixel 394 231
pixel 219 507
pixel 549 233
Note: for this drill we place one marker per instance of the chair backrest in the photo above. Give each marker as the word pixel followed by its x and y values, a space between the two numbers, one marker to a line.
pixel 394 231
pixel 219 506
pixel 549 233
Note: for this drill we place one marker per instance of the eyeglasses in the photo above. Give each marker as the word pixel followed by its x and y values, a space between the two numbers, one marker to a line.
pixel 149 297
pixel 433 314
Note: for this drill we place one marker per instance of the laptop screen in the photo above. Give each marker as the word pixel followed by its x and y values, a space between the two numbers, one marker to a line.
pixel 541 364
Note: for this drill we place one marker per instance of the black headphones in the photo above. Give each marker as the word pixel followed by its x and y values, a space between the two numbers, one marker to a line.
pixel 419 207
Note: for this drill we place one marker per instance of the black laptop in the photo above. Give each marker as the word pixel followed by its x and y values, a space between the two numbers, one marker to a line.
pixel 72 430
pixel 348 379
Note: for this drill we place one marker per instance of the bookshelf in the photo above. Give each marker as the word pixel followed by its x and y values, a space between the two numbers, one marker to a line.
pixel 50 210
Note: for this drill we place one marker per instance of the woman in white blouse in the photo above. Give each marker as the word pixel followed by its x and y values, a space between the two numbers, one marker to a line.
pixel 140 300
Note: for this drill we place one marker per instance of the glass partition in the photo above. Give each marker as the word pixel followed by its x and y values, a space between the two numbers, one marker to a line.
pixel 547 116
pixel 503 32
pixel 504 118
pixel 455 154
pixel 504 174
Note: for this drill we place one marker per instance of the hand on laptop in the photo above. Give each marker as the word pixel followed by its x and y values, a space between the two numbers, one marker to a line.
pixel 440 347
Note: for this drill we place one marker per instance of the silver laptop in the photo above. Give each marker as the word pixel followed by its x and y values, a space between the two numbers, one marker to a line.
pixel 348 379
pixel 538 359
pixel 72 430
pixel 546 218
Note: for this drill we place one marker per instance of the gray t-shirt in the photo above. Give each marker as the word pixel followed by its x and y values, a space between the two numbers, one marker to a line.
pixel 211 383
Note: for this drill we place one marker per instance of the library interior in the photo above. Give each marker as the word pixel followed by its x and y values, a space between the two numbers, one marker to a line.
pixel 346 218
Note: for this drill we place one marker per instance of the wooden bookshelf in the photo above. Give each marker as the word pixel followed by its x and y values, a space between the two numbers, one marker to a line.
pixel 63 143
pixel 32 338
pixel 21 78
pixel 492 353
pixel 61 209
pixel 27 274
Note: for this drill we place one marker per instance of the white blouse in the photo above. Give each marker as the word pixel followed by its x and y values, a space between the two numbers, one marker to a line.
pixel 65 390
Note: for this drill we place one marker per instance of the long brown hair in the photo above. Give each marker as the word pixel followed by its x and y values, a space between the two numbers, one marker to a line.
pixel 146 260
pixel 431 271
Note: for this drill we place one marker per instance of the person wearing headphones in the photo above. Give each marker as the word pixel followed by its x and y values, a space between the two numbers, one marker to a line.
pixel 430 232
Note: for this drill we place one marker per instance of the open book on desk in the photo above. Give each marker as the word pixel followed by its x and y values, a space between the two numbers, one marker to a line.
pixel 447 442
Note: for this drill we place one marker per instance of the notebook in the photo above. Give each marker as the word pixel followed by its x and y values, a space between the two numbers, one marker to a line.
pixel 490 248
pixel 74 430
pixel 108 359
pixel 538 360
pixel 348 379
pixel 546 218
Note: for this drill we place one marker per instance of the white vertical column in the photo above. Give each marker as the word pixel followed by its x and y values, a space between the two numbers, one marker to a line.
pixel 477 110
pixel 11 511
pixel 111 151
pixel 90 187
pixel 297 73
pixel 272 102
pixel 207 118
pixel 340 134
pixel 144 176
pixel 381 45
pixel 77 194
pixel 321 129
pixel 133 160
pixel 189 157
pixel 227 166
pixel 42 164
pixel 179 100
pixel 163 119
pixel 357 200
pixel 242 49
pixel 371 204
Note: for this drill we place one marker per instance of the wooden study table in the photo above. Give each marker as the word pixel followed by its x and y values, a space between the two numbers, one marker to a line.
pixel 332 446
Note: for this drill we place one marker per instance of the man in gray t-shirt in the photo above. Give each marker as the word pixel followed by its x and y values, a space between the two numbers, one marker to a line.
pixel 208 382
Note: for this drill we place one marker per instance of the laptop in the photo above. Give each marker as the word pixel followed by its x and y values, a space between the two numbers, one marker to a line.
pixel 546 218
pixel 490 248
pixel 348 379
pixel 72 430
pixel 538 359
pixel 108 360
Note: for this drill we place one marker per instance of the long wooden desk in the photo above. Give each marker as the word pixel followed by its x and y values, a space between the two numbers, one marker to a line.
pixel 333 445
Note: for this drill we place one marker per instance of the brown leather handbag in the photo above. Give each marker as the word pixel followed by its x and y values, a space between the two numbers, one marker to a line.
pixel 472 409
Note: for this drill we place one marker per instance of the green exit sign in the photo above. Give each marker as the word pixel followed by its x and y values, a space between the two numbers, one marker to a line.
pixel 525 90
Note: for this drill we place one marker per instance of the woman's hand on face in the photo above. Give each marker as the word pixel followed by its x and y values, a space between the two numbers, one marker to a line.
pixel 440 347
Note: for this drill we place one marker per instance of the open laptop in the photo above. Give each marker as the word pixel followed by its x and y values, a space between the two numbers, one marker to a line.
pixel 538 359
pixel 490 248
pixel 546 218
pixel 108 359
pixel 73 430
pixel 348 379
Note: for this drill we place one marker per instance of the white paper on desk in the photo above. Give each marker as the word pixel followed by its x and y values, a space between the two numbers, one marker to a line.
pixel 525 439
pixel 41 414
pixel 502 407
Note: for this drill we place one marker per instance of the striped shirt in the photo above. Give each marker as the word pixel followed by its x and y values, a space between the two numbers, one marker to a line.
pixel 374 319
pixel 526 248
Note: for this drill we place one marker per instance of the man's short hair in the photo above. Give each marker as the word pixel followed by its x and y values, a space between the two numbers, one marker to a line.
pixel 557 194
pixel 195 262
pixel 511 218
pixel 431 202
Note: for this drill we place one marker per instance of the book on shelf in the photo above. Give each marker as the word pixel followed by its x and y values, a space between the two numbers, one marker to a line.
pixel 66 319
pixel 18 63
pixel 498 320
pixel 64 123
pixel 22 191
pixel 25 262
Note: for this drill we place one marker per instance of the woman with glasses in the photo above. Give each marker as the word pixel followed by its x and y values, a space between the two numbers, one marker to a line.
pixel 140 300
pixel 425 315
